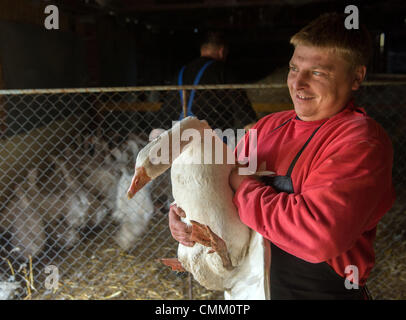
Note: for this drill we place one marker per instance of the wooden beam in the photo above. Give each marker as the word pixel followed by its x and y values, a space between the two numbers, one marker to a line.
pixel 30 12
pixel 151 5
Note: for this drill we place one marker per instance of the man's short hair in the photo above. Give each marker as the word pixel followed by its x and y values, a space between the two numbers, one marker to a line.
pixel 214 38
pixel 328 31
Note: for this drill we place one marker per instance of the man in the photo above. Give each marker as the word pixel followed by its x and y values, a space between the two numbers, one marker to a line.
pixel 333 169
pixel 222 109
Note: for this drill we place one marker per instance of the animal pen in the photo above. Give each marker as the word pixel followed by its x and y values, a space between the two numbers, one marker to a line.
pixel 67 230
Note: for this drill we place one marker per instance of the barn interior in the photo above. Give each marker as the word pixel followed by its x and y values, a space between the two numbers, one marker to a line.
pixel 127 43
pixel 112 54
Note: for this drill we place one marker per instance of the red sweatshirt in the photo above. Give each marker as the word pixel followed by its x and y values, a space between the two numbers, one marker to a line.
pixel 342 187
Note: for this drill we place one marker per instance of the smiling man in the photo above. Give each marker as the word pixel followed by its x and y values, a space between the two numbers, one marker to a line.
pixel 333 167
pixel 321 81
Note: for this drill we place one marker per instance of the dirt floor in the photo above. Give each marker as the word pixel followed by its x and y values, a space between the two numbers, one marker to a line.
pixel 98 269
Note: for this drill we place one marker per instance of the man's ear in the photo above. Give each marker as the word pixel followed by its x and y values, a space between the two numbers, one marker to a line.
pixel 359 76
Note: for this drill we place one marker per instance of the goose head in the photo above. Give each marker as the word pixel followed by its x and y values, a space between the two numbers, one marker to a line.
pixel 157 156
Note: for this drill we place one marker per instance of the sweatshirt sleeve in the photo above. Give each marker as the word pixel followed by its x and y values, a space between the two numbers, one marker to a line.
pixel 346 194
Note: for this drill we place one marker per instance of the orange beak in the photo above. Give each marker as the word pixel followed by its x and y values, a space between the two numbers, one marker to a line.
pixel 139 180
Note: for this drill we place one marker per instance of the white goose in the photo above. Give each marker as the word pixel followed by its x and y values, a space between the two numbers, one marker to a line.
pixel 227 256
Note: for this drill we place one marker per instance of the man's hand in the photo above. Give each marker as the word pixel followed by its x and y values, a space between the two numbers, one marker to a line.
pixel 235 179
pixel 180 231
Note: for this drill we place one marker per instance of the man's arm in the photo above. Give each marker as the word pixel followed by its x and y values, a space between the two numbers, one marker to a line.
pixel 345 195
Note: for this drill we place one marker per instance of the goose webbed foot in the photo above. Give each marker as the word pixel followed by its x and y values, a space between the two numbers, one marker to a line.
pixel 204 235
pixel 174 263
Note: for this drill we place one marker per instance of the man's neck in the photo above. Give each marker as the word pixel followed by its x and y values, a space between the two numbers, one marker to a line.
pixel 210 56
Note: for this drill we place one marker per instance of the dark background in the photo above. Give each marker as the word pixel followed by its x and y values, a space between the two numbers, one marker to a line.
pixel 145 42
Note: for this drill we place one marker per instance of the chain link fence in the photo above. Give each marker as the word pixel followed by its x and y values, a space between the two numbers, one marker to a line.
pixel 67 230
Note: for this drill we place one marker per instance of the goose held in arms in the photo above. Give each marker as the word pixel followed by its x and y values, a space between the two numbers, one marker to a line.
pixel 227 254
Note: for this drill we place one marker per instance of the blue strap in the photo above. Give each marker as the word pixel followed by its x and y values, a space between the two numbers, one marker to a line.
pixel 180 82
pixel 192 93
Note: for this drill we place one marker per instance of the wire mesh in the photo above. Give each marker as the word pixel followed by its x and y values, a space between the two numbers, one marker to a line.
pixel 67 230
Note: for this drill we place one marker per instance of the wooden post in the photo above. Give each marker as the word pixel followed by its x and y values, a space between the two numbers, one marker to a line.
pixel 3 112
pixel 190 281
pixel 184 105
pixel 189 277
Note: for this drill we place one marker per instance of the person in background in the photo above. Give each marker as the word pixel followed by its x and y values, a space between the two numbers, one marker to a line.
pixel 333 172
pixel 223 109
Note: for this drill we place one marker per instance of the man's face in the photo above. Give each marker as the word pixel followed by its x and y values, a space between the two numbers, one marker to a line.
pixel 320 82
